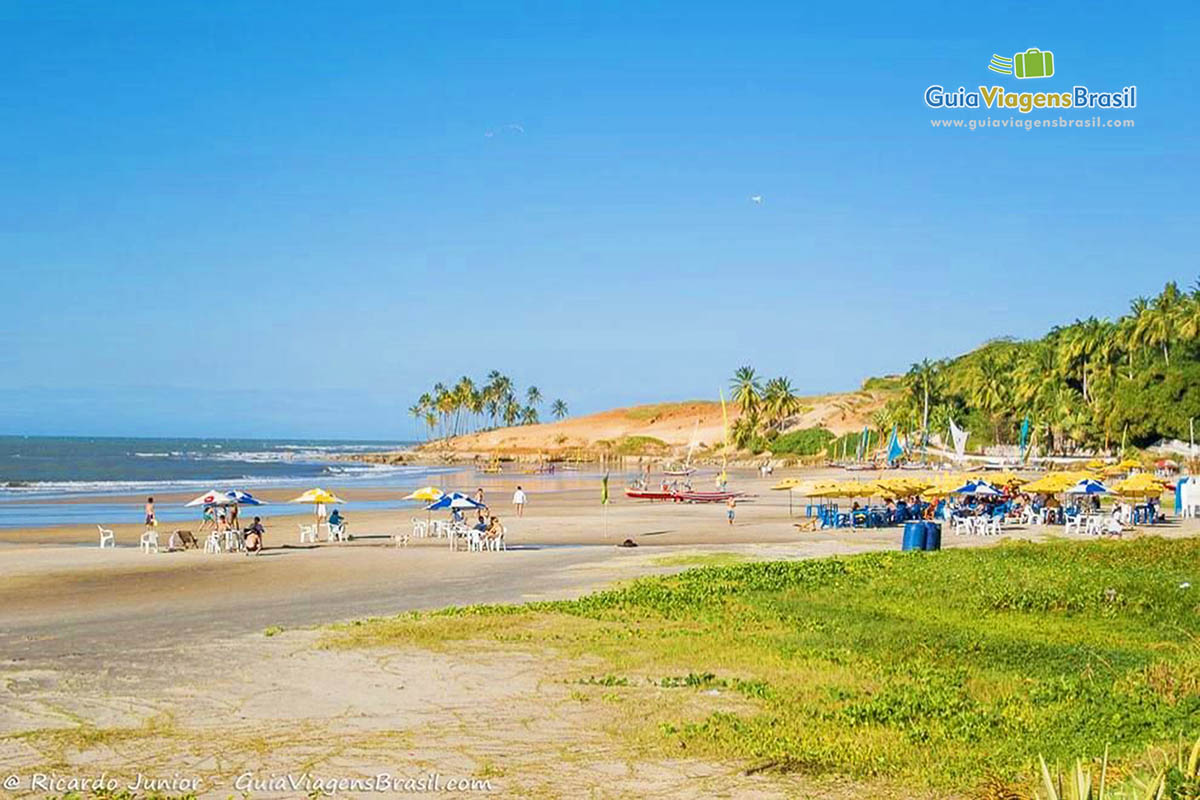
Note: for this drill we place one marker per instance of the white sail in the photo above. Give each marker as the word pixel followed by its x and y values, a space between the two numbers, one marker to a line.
pixel 960 439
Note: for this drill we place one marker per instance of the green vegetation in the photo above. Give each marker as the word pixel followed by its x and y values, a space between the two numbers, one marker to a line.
pixel 804 442
pixel 699 560
pixel 950 670
pixel 765 408
pixel 1092 384
pixel 650 412
pixel 465 407
pixel 640 445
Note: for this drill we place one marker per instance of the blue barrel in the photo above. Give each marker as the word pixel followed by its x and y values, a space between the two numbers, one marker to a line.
pixel 933 536
pixel 914 536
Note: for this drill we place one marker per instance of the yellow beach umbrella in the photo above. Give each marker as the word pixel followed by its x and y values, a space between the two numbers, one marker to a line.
pixel 1095 463
pixel 1141 484
pixel 1050 484
pixel 1130 463
pixel 428 494
pixel 316 496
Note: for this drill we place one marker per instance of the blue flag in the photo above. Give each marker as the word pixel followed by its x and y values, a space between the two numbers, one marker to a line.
pixel 1024 435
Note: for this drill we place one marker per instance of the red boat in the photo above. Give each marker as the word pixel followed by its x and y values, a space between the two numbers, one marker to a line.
pixel 649 494
pixel 707 497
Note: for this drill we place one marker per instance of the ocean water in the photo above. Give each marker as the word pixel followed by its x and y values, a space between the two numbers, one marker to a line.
pixel 38 472
pixel 58 466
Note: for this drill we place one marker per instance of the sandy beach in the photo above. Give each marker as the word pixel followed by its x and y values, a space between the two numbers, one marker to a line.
pixel 170 653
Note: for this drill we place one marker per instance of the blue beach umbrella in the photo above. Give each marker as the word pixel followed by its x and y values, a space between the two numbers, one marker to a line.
pixel 241 498
pixel 979 488
pixel 1088 486
pixel 453 500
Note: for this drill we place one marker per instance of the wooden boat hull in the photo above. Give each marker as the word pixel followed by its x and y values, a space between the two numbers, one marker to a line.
pixel 707 497
pixel 646 494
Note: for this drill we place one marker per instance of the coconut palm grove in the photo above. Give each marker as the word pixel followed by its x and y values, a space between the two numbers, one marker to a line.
pixel 1091 385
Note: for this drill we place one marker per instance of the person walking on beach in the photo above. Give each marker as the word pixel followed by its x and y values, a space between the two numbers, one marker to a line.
pixel 730 507
pixel 479 497
pixel 519 501
pixel 150 520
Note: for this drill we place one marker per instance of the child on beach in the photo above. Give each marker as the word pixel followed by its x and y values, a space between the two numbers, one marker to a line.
pixel 519 501
pixel 254 536
pixel 150 521
pixel 730 506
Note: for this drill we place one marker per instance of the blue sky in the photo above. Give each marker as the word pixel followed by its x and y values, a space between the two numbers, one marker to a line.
pixel 289 219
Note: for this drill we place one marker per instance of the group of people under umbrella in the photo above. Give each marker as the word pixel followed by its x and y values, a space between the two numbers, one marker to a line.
pixel 487 525
pixel 222 518
pixel 1008 494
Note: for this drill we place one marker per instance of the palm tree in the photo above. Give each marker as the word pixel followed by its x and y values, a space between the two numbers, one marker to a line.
pixel 511 412
pixel 559 409
pixel 1158 327
pixel 921 380
pixel 533 396
pixel 746 389
pixel 990 390
pixel 529 416
pixel 1189 315
pixel 1079 346
pixel 779 401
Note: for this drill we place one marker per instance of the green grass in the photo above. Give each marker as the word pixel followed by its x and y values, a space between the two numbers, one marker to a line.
pixel 699 560
pixel 648 412
pixel 943 670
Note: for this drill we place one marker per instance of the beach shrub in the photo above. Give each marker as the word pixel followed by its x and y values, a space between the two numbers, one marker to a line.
pixel 641 446
pixel 803 442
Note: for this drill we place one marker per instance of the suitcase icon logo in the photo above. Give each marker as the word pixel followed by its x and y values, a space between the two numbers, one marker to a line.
pixel 1033 63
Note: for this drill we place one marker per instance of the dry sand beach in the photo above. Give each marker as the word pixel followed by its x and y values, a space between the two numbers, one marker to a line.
pixel 207 668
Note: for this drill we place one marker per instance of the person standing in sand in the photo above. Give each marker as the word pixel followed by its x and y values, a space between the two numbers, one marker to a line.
pixel 519 499
pixel 479 497
pixel 151 521
pixel 730 509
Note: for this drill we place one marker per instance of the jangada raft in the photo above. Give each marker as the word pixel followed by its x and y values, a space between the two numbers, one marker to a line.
pixel 681 496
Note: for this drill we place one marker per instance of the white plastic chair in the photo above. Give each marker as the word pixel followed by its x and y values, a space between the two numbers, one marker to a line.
pixel 474 540
pixel 337 533
pixel 107 538
pixel 233 540
pixel 308 533
pixel 1094 525
pixel 993 526
pixel 213 543
pixel 149 540
pixel 962 525
pixel 1074 521
pixel 420 529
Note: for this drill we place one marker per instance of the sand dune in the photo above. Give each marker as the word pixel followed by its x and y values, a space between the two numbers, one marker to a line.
pixel 670 424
